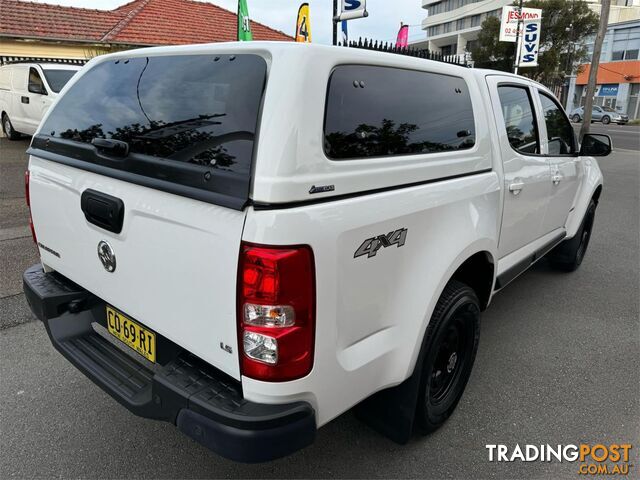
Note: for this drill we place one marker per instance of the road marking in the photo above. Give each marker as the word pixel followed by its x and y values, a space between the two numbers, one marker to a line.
pixel 622 131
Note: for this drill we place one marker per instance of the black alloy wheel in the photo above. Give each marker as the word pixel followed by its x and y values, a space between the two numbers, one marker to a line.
pixel 452 343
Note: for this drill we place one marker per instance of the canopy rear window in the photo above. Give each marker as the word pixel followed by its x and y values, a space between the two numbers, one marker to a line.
pixel 183 123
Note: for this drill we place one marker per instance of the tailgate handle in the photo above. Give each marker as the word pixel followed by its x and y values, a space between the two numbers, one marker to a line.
pixel 102 210
pixel 113 147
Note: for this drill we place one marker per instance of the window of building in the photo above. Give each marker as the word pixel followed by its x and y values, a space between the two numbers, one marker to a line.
pixel 519 120
pixel 460 24
pixel 365 118
pixel 619 55
pixel 631 54
pixel 433 31
pixel 560 135
pixel 475 20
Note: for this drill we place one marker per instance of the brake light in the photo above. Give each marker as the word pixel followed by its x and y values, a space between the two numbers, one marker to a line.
pixel 27 196
pixel 276 311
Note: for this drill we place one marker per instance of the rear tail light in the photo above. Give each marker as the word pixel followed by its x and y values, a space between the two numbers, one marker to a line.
pixel 27 196
pixel 276 311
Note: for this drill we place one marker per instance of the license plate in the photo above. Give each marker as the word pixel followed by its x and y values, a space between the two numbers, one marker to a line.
pixel 132 334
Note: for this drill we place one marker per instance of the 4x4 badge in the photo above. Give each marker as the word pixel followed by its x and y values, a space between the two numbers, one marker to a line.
pixel 107 256
pixel 371 246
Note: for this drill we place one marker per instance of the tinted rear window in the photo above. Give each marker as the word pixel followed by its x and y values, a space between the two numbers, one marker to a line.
pixel 381 111
pixel 187 119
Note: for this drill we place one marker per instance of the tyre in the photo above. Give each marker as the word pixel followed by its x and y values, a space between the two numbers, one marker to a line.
pixel 451 345
pixel 606 120
pixel 576 118
pixel 569 254
pixel 8 128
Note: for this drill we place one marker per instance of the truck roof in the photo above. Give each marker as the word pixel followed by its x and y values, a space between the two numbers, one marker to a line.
pixel 292 49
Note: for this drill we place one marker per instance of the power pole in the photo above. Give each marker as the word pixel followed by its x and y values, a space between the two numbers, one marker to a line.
pixel 335 23
pixel 516 61
pixel 595 63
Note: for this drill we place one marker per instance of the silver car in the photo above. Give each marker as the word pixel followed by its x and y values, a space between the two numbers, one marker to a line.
pixel 605 115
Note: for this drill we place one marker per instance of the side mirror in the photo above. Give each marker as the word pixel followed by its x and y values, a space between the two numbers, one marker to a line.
pixel 595 145
pixel 37 88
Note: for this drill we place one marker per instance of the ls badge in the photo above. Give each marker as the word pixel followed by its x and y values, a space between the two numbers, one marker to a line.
pixel 371 246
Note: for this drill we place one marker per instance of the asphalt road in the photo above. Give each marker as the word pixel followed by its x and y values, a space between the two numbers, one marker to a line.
pixel 558 363
pixel 626 137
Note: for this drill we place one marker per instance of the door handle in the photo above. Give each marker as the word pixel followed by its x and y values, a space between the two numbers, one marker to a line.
pixel 556 178
pixel 24 99
pixel 516 187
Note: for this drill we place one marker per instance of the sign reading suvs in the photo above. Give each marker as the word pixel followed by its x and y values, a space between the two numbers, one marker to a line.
pixel 529 44
pixel 510 18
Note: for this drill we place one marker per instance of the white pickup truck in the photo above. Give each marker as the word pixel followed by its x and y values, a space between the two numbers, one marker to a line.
pixel 247 240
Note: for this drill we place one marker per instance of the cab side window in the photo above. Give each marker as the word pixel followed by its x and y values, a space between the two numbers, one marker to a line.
pixel 519 119
pixel 560 135
pixel 36 85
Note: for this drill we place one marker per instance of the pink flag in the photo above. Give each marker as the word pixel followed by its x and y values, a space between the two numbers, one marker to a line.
pixel 403 36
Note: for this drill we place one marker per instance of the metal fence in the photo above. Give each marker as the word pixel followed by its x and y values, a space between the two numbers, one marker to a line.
pixel 368 44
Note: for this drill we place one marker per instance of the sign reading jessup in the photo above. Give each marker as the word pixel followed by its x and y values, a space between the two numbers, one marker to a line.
pixel 510 18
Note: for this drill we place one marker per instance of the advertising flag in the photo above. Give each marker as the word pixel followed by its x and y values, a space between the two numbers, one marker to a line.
pixel 345 32
pixel 403 36
pixel 303 24
pixel 244 23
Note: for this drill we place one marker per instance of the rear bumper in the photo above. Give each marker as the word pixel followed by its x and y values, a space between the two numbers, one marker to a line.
pixel 202 402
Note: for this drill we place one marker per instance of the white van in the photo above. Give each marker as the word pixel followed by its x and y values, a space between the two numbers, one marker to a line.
pixel 27 90
pixel 247 250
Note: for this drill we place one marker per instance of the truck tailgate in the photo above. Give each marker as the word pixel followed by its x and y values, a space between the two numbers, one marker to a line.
pixel 176 258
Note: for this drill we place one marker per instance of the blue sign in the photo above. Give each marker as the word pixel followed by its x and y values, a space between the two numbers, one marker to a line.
pixel 608 90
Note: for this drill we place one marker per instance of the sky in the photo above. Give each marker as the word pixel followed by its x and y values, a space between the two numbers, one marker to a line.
pixel 382 23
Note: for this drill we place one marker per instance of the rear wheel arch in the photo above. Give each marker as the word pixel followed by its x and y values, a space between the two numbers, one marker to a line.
pixel 392 411
pixel 596 194
pixel 478 272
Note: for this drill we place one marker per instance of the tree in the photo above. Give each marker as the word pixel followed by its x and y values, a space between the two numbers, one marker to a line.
pixel 565 26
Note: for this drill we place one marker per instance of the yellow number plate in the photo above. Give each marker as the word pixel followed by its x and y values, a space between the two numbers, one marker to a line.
pixel 132 334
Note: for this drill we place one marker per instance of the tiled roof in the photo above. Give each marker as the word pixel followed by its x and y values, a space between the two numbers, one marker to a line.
pixel 140 22
pixel 37 20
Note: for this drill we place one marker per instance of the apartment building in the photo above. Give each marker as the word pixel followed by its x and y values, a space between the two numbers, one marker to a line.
pixel 451 26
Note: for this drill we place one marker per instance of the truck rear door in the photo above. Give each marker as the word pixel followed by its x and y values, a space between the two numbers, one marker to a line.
pixel 526 172
pixel 138 179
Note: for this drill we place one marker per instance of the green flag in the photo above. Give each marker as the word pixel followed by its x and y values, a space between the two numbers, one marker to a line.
pixel 244 24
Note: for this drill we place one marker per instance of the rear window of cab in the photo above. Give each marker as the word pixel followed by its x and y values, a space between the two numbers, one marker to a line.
pixel 187 120
pixel 374 111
